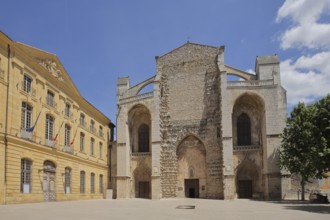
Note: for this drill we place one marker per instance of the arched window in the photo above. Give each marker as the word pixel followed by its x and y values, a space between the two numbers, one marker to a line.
pixel 26 175
pixel 67 180
pixel 143 133
pixel 26 115
pixel 82 181
pixel 243 130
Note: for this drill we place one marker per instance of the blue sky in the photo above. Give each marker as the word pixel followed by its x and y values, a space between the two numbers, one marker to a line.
pixel 98 41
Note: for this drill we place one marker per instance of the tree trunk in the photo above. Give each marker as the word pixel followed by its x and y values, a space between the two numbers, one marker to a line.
pixel 302 189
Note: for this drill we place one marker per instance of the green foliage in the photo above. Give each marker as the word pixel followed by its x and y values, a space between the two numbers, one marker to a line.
pixel 305 140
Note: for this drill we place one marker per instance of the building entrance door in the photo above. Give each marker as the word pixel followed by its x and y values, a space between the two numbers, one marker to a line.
pixel 191 188
pixel 245 189
pixel 49 181
pixel 144 189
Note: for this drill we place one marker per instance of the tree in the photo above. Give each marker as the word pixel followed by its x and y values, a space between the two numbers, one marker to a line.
pixel 305 141
pixel 322 132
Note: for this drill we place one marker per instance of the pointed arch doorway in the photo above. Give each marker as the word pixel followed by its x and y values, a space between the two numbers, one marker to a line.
pixel 191 156
pixel 49 181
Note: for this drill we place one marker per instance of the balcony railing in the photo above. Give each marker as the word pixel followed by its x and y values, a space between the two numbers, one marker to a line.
pixel 69 115
pixel 101 134
pixel 92 129
pixel 68 149
pixel 51 103
pixel 2 74
pixel 28 89
pixel 246 147
pixel 83 123
pixel 50 143
pixel 250 83
pixel 141 154
pixel 26 135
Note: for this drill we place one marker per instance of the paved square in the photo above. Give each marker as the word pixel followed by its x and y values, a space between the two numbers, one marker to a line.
pixel 165 209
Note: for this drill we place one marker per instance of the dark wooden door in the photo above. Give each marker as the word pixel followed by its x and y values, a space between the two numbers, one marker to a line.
pixel 144 190
pixel 245 189
pixel 191 188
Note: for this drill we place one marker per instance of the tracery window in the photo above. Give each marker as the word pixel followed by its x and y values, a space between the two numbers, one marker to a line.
pixel 243 130
pixel 143 134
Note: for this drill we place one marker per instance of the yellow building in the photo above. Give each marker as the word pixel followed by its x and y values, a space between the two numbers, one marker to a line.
pixel 53 143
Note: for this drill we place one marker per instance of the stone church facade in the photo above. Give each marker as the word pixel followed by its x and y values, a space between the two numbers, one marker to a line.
pixel 198 134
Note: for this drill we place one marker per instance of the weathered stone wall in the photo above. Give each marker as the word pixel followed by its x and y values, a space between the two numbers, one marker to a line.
pixel 190 97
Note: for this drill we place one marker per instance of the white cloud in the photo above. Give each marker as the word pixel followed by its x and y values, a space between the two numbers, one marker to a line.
pixel 251 71
pixel 303 11
pixel 312 35
pixel 306 81
pixel 308 77
pixel 306 31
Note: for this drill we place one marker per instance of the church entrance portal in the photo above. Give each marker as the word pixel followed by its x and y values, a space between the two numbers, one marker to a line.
pixel 144 190
pixel 245 189
pixel 191 188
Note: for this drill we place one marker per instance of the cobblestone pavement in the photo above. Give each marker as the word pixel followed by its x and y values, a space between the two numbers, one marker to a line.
pixel 165 209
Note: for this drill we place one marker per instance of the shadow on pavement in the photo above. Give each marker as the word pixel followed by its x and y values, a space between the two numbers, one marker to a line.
pixel 310 208
pixel 306 206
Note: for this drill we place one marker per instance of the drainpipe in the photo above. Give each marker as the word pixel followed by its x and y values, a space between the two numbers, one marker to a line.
pixel 6 127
